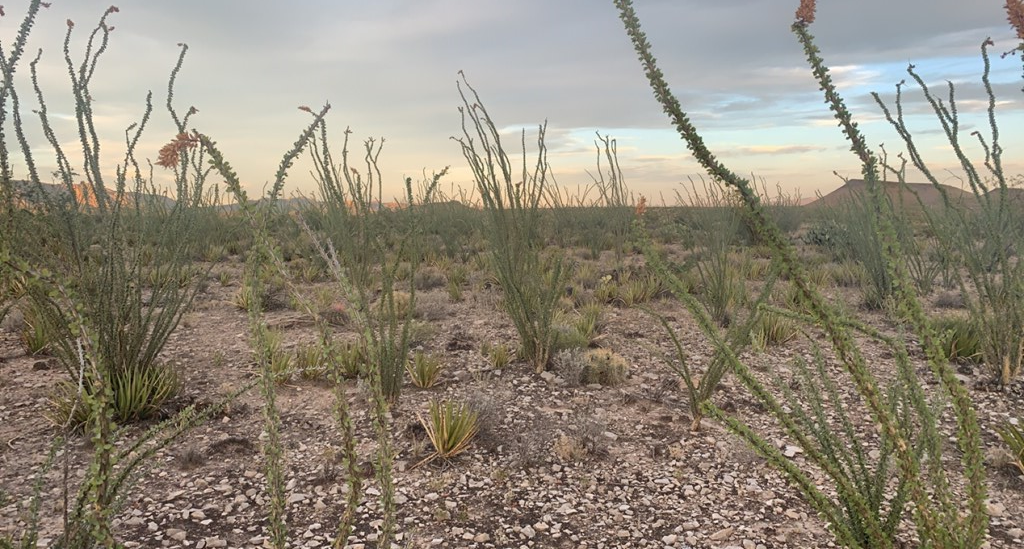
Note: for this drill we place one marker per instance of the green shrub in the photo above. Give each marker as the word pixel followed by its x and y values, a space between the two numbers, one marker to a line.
pixel 312 361
pixel 37 334
pixel 424 370
pixel 450 427
pixel 532 282
pixel 1013 437
pixel 498 355
pixel 772 329
pixel 959 338
pixel 863 500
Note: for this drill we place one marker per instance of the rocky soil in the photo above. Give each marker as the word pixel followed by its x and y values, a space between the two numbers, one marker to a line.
pixel 554 466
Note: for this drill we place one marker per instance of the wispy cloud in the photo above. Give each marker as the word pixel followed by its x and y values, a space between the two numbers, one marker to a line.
pixel 389 69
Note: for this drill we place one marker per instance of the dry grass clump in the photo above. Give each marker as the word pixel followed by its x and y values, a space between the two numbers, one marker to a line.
pixel 591 367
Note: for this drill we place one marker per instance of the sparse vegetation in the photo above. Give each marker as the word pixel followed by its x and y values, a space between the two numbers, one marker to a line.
pixel 129 318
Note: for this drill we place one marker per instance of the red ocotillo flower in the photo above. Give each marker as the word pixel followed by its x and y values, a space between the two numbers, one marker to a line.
pixel 170 154
pixel 1015 15
pixel 805 13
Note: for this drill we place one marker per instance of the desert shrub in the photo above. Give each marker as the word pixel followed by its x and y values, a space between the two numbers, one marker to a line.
pixel 424 370
pixel 499 355
pixel 590 367
pixel 773 329
pixel 977 238
pixel 590 322
pixel 450 427
pixel 722 289
pixel 532 281
pixel 859 507
pixel 350 358
pixel 36 333
pixel 636 288
pixel 312 361
pixel 959 338
pixel 604 367
pixel 1013 438
pixel 849 274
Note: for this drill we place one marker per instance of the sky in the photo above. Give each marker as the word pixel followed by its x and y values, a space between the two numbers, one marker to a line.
pixel 389 69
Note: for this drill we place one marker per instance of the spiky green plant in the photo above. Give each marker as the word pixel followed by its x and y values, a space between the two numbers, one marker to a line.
pixel 450 427
pixel 531 280
pixel 939 519
pixel 1013 437
pixel 424 370
pixel 980 234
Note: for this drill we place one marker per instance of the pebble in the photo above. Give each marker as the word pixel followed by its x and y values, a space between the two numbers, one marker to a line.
pixel 724 533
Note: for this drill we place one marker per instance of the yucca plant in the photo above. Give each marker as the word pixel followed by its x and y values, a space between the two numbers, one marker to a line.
pixel 590 322
pixel 498 355
pixel 773 329
pixel 450 427
pixel 424 370
pixel 37 336
pixel 1013 437
pixel 312 361
pixel 350 358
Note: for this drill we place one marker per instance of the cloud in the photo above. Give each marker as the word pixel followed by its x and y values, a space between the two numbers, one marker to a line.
pixel 774 150
pixel 389 69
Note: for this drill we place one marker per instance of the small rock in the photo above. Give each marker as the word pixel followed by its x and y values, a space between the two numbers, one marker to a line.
pixel 995 509
pixel 176 534
pixel 482 538
pixel 45 364
pixel 724 533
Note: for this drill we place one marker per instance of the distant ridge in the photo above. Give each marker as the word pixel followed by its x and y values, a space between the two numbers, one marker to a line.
pixel 927 194
pixel 28 193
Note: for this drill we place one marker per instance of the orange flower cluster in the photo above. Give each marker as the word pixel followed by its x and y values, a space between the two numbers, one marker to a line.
pixel 641 207
pixel 805 13
pixel 170 154
pixel 1015 14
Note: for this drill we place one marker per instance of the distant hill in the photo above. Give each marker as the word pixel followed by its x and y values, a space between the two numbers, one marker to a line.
pixel 28 193
pixel 928 195
pixel 1014 195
